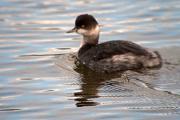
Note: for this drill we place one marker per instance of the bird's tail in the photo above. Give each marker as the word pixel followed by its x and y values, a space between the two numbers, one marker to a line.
pixel 155 61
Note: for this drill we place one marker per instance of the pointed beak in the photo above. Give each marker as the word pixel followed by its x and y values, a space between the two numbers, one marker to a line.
pixel 73 30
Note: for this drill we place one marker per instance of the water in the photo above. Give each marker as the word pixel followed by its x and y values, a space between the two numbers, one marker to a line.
pixel 38 82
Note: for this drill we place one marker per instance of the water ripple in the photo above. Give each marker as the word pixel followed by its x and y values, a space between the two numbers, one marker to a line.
pixel 39 78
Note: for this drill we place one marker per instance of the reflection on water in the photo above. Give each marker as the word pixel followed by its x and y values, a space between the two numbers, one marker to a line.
pixel 38 77
pixel 90 83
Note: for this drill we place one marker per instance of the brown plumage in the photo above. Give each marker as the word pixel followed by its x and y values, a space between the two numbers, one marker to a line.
pixel 114 56
pixel 111 56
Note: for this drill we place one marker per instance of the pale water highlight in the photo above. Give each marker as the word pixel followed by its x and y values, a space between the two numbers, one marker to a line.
pixel 39 79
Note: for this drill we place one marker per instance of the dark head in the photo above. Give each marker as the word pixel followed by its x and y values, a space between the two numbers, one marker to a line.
pixel 85 21
pixel 87 26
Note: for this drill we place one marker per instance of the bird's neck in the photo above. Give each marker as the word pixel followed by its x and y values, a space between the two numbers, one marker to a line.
pixel 92 40
pixel 87 43
pixel 91 37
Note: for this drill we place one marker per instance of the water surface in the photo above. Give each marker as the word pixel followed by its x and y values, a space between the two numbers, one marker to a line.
pixel 38 77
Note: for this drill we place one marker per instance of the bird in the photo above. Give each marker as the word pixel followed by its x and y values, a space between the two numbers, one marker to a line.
pixel 111 56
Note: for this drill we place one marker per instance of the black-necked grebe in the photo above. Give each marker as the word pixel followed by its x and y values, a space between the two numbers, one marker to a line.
pixel 111 56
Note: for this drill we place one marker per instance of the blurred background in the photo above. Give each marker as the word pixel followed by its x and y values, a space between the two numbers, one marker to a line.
pixel 37 82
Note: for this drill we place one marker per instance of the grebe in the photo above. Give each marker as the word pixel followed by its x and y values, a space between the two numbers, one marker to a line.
pixel 111 56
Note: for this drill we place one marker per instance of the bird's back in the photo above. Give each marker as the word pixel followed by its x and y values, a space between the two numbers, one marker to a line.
pixel 113 56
